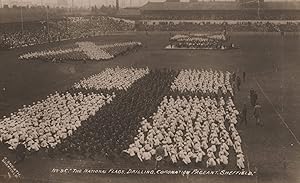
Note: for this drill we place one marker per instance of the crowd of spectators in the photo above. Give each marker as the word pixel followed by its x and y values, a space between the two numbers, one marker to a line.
pixel 12 35
pixel 257 26
pixel 233 16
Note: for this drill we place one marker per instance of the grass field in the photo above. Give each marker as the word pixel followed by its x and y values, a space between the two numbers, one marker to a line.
pixel 269 60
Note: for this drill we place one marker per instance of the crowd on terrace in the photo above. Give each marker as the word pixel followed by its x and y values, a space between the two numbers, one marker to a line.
pixel 12 35
pixel 213 26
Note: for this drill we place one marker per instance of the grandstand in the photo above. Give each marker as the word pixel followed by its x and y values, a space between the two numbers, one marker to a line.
pixel 222 10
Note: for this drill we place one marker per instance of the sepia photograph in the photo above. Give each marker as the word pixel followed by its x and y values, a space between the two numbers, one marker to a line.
pixel 149 91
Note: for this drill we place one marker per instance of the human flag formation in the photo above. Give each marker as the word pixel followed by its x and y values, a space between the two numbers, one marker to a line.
pixel 186 116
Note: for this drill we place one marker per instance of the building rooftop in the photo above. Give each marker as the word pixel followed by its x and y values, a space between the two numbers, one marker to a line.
pixel 215 5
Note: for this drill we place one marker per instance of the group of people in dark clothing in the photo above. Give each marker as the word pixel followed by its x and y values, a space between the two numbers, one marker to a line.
pixel 256 109
pixel 113 127
pixel 253 96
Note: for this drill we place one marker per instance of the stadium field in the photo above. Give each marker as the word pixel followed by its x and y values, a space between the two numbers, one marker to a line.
pixel 272 69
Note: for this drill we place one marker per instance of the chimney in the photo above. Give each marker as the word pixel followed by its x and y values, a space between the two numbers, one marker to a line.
pixel 117 4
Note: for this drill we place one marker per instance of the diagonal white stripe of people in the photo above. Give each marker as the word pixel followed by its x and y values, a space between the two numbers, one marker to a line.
pixel 46 122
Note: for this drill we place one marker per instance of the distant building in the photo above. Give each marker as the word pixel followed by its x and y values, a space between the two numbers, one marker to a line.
pixel 62 3
pixel 130 12
pixel 241 9
pixel 172 1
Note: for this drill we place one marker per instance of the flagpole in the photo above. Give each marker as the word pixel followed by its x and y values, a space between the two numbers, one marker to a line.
pixel 22 20
pixel 47 19
pixel 72 7
pixel 258 9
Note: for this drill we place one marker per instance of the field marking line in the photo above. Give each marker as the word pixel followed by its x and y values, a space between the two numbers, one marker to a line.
pixel 246 156
pixel 279 115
